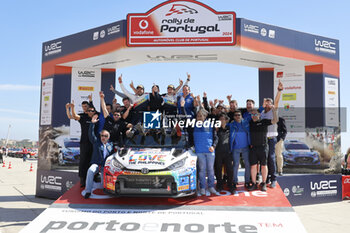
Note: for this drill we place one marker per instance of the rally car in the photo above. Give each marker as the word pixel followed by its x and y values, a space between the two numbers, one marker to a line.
pixel 70 154
pixel 155 164
pixel 298 153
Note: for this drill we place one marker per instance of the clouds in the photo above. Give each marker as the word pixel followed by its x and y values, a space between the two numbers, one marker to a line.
pixel 15 87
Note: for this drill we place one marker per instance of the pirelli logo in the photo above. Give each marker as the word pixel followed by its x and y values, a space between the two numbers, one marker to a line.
pixel 83 88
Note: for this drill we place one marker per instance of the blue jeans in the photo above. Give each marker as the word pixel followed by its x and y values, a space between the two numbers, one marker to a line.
pixel 206 167
pixel 245 154
pixel 271 159
pixel 92 171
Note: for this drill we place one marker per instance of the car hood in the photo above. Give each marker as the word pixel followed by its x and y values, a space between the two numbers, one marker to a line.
pixel 152 159
pixel 301 152
pixel 71 150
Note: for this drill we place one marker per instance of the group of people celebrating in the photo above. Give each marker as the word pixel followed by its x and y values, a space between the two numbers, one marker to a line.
pixel 250 132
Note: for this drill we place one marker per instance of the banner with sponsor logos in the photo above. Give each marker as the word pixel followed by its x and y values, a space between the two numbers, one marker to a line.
pixel 52 184
pixel 292 101
pixel 181 23
pixel 46 101
pixel 331 101
pixel 311 189
pixel 171 220
pixel 85 82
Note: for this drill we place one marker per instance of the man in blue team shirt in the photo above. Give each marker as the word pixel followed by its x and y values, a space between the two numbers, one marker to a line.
pixel 239 143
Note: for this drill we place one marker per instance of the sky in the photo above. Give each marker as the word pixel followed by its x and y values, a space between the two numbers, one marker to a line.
pixel 25 25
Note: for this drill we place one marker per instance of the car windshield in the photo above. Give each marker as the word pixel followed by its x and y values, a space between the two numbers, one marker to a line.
pixel 296 146
pixel 71 144
pixel 156 138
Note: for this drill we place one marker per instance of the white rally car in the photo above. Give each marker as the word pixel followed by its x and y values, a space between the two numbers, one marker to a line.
pixel 155 164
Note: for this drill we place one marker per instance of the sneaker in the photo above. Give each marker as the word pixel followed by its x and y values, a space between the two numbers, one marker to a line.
pixel 87 195
pixel 202 192
pixel 213 191
pixel 234 186
pixel 253 187
pixel 263 187
pixel 280 174
pixel 273 184
pixel 219 188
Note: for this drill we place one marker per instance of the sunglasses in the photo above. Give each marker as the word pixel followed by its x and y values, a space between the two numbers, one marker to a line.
pixel 104 135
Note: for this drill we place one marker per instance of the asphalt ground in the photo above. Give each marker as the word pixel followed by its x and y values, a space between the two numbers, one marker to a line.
pixel 19 206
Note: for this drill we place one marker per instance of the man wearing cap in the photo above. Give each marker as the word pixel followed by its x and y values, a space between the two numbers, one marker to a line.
pixel 140 101
pixel 169 99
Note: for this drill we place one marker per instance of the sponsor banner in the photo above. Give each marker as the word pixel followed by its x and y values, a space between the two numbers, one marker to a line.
pixel 46 101
pixel 317 45
pixel 346 186
pixel 83 40
pixel 292 101
pixel 311 189
pixel 53 184
pixel 331 101
pixel 181 23
pixel 172 220
pixel 85 82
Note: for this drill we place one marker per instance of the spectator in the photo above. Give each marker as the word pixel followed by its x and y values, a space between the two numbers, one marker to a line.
pixel 282 133
pixel 272 135
pixel 223 155
pixel 205 141
pixel 258 147
pixel 101 150
pixel 239 144
pixel 24 154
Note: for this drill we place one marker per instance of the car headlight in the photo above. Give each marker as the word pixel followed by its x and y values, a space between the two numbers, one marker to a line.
pixel 117 164
pixel 178 164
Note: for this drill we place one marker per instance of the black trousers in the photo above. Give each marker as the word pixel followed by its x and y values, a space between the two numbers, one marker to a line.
pixel 223 158
pixel 85 158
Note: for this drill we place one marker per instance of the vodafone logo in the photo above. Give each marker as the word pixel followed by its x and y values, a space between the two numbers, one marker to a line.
pixel 143 24
pixel 347 181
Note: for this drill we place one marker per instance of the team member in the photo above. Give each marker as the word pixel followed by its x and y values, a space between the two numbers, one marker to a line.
pixel 233 108
pixel 272 135
pixel 282 133
pixel 223 155
pixel 205 141
pixel 140 102
pixel 239 144
pixel 187 104
pixel 101 150
pixel 170 98
pixel 113 124
pixel 85 145
pixel 258 147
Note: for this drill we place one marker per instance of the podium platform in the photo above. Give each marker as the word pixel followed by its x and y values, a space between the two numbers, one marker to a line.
pixel 243 211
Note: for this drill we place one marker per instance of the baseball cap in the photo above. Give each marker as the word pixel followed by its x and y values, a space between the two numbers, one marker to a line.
pixel 140 86
pixel 171 86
